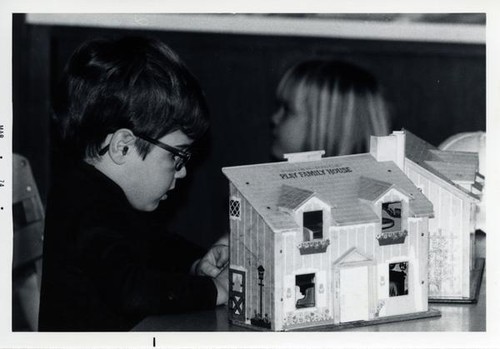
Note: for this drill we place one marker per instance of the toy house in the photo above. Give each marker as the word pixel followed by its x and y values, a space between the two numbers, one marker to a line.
pixel 450 180
pixel 333 242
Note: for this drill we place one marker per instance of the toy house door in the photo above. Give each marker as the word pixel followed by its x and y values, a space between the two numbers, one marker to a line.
pixel 354 286
pixel 354 293
pixel 237 288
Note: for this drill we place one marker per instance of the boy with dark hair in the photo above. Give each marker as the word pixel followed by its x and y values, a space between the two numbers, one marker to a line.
pixel 128 112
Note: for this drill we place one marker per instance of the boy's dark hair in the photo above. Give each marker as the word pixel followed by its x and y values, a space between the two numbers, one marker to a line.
pixel 133 82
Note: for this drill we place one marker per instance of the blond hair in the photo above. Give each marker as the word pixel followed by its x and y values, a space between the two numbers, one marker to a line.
pixel 342 103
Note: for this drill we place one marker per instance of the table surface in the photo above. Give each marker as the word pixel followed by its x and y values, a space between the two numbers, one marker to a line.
pixel 454 317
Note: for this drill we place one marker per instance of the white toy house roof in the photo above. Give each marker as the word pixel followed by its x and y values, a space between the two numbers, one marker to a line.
pixel 450 166
pixel 347 184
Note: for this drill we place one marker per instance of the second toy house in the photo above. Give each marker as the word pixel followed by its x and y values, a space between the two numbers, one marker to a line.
pixel 451 181
pixel 326 241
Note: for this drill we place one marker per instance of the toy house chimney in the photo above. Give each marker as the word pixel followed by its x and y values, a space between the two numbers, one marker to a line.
pixel 389 148
pixel 314 155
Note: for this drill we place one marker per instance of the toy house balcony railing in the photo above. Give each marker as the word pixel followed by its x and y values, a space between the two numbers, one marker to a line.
pixel 392 238
pixel 313 246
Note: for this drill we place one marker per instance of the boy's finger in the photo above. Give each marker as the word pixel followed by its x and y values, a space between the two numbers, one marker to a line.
pixel 223 257
pixel 223 270
pixel 222 260
pixel 209 269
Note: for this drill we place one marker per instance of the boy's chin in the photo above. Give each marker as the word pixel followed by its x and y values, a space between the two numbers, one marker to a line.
pixel 148 207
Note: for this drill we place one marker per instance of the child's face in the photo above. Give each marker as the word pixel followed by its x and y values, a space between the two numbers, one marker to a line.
pixel 150 179
pixel 289 131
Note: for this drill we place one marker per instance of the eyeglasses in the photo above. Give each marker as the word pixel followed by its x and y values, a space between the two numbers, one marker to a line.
pixel 181 157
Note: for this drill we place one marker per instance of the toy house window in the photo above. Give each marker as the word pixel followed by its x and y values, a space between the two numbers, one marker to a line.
pixel 391 216
pixel 304 291
pixel 235 208
pixel 313 225
pixel 398 279
pixel 237 283
pixel 392 226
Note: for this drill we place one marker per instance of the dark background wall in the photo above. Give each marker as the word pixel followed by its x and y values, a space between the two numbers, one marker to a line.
pixel 434 89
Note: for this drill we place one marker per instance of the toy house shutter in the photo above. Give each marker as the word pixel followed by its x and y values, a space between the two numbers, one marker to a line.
pixel 237 287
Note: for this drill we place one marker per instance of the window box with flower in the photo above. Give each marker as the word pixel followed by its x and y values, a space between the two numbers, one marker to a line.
pixel 313 246
pixel 392 238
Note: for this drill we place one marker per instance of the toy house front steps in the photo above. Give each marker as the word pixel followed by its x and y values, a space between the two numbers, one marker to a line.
pixel 451 181
pixel 326 242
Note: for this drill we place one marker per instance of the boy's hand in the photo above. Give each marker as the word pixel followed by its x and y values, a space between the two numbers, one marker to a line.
pixel 214 262
pixel 224 240
pixel 222 284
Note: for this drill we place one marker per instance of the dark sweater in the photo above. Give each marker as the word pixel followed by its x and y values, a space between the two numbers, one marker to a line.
pixel 106 265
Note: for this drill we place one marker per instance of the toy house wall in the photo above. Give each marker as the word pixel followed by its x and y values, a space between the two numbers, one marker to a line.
pixel 289 263
pixel 413 250
pixel 363 237
pixel 252 245
pixel 412 254
pixel 450 250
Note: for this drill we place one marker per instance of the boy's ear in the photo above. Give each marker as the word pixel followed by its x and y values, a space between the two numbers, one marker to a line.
pixel 120 144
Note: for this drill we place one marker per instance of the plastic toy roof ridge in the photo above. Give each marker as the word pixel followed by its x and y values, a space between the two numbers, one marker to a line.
pixel 333 180
pixel 449 166
pixel 272 164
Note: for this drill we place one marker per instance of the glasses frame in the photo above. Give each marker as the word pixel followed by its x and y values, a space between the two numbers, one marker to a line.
pixel 182 155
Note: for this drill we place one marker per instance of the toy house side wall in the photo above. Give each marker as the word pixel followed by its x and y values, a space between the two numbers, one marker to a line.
pixel 252 246
pixel 450 250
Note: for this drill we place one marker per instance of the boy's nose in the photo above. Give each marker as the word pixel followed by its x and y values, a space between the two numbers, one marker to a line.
pixel 181 173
